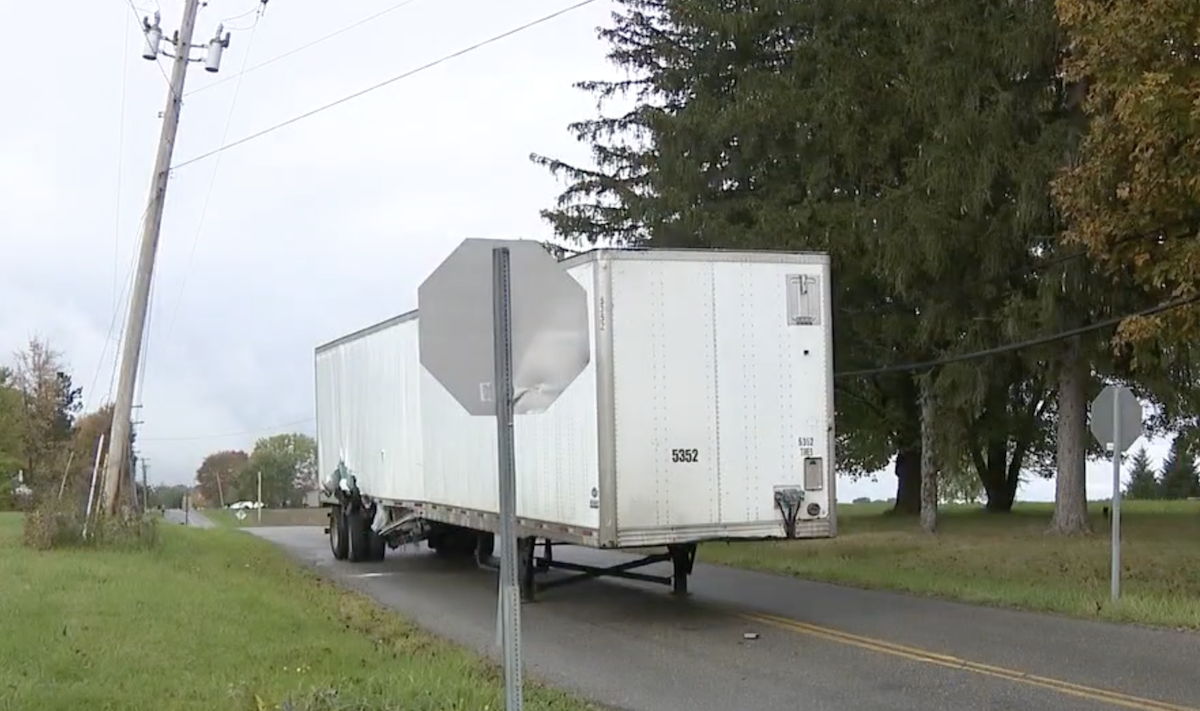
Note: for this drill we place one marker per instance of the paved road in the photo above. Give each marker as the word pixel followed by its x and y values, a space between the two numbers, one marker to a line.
pixel 192 518
pixel 820 647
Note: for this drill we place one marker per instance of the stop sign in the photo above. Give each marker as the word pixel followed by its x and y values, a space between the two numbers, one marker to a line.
pixel 550 335
pixel 1116 405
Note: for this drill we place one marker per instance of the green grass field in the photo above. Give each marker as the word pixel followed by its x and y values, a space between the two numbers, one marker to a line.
pixel 217 619
pixel 1005 560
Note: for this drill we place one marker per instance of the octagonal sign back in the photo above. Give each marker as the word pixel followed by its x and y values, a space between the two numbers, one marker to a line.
pixel 551 341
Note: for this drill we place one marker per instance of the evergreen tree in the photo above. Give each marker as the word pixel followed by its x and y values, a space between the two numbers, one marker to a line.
pixel 914 141
pixel 1143 482
pixel 1179 478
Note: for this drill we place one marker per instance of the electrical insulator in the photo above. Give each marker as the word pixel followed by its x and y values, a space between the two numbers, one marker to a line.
pixel 216 47
pixel 153 37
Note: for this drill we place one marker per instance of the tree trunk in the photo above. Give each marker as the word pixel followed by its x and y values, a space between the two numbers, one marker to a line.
pixel 991 455
pixel 1014 475
pixel 929 469
pixel 908 455
pixel 1000 492
pixel 908 481
pixel 1070 486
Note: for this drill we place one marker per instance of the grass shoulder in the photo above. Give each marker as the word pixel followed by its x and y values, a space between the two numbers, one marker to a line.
pixel 218 619
pixel 1005 560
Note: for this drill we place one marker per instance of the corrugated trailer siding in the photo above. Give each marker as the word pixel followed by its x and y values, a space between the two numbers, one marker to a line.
pixel 556 451
pixel 368 410
pixel 705 362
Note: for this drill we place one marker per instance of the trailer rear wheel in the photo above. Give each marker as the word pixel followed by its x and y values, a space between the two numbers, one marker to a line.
pixel 376 546
pixel 338 542
pixel 356 537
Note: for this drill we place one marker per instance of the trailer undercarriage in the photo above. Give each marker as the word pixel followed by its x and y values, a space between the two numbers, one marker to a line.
pixel 352 538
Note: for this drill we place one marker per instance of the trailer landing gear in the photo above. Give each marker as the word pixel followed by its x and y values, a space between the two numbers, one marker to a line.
pixel 682 558
pixel 485 545
pixel 526 561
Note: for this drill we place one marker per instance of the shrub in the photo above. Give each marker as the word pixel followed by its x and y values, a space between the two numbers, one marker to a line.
pixel 126 529
pixel 57 524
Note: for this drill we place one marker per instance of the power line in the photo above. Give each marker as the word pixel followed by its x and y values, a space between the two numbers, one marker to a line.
pixel 380 85
pixel 237 88
pixel 118 309
pixel 301 48
pixel 924 365
pixel 139 385
pixel 226 435
pixel 120 171
pixel 259 9
pixel 256 11
pixel 1020 345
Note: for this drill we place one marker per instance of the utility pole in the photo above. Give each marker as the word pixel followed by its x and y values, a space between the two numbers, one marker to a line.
pixel 259 502
pixel 220 491
pixel 145 488
pixel 139 303
pixel 134 460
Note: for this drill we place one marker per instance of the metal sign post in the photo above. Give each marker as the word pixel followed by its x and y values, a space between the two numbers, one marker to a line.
pixel 1116 420
pixel 510 595
pixel 485 336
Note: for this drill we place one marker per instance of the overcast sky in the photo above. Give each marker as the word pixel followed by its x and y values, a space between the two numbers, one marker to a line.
pixel 292 238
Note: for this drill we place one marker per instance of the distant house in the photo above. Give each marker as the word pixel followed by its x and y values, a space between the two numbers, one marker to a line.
pixel 19 488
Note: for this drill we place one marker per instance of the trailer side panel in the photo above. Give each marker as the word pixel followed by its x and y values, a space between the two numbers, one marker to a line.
pixel 368 410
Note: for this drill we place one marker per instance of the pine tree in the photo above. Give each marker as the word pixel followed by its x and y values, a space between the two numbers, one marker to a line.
pixel 1143 482
pixel 1179 479
pixel 913 142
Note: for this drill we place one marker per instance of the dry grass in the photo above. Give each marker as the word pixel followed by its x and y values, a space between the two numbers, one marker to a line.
pixel 1006 560
pixel 217 619
pixel 55 524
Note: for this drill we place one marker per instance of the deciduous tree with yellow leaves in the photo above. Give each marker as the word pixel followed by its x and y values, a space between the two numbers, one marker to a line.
pixel 1133 196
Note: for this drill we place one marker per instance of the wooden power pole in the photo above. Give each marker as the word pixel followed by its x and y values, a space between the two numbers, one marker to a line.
pixel 139 302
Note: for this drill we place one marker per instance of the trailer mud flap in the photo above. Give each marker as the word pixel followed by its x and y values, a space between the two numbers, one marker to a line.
pixel 788 500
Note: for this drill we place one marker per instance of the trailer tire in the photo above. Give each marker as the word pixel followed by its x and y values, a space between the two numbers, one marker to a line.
pixel 357 537
pixel 376 546
pixel 338 542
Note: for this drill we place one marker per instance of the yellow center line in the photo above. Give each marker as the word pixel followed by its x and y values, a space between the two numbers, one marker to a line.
pixel 944 660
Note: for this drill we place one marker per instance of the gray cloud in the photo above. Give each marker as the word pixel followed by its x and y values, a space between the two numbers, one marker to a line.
pixel 309 232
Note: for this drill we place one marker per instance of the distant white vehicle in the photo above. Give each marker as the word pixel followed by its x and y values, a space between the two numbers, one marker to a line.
pixel 246 505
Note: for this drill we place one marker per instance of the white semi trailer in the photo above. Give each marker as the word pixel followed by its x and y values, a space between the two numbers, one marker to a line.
pixel 705 413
